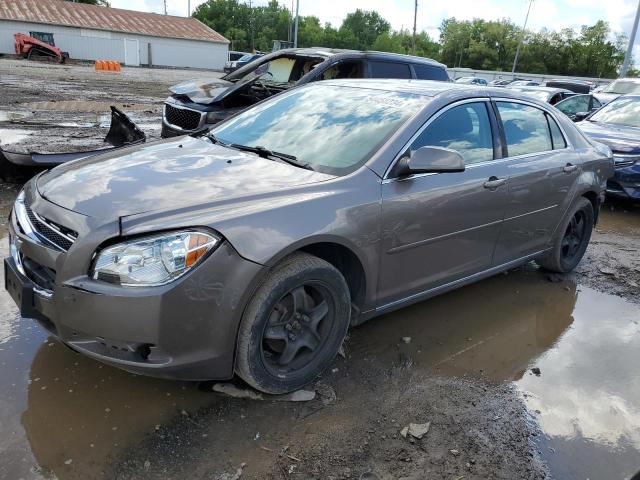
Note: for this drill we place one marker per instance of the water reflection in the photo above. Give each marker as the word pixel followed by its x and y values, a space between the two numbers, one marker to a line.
pixel 588 391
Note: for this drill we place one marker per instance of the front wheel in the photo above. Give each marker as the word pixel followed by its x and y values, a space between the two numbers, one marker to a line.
pixel 571 239
pixel 294 325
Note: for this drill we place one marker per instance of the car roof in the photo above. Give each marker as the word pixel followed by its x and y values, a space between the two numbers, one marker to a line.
pixel 373 54
pixel 539 88
pixel 427 88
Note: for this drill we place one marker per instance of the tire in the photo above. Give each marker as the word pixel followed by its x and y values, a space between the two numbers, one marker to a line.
pixel 294 325
pixel 570 244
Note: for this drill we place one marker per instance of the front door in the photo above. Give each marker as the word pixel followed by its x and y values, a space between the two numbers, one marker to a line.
pixel 131 53
pixel 438 228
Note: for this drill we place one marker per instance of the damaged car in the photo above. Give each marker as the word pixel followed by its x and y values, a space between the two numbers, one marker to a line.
pixel 252 249
pixel 194 107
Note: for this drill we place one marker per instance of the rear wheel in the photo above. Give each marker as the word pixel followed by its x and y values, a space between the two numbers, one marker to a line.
pixel 571 239
pixel 294 325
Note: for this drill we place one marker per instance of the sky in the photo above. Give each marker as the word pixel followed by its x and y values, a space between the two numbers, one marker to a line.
pixel 552 14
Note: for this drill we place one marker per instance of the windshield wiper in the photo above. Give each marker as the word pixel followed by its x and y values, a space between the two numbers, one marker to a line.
pixel 266 153
pixel 215 139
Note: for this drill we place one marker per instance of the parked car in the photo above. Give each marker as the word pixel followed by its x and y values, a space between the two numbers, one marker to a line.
pixel 253 249
pixel 194 107
pixel 576 86
pixel 578 107
pixel 499 82
pixel 544 94
pixel 524 83
pixel 233 55
pixel 622 86
pixel 472 81
pixel 234 65
pixel 617 125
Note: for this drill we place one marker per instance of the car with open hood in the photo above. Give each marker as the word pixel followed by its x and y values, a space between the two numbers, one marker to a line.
pixel 253 249
pixel 194 107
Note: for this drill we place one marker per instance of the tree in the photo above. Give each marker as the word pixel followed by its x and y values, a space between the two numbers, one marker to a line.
pixel 102 3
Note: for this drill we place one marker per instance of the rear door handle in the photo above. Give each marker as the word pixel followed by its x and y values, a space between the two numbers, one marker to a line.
pixel 568 168
pixel 494 182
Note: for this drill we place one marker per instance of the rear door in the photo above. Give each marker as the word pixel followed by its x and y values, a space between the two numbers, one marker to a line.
pixel 438 228
pixel 542 168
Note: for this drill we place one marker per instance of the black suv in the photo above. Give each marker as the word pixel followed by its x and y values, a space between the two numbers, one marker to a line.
pixel 194 107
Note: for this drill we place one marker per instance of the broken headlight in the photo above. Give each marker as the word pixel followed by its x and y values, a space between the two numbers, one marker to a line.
pixel 154 260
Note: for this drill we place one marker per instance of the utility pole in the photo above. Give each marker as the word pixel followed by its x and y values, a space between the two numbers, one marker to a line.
pixel 515 60
pixel 632 40
pixel 165 7
pixel 295 28
pixel 253 46
pixel 188 8
pixel 415 20
pixel 290 32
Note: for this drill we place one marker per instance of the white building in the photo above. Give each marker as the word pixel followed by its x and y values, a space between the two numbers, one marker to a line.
pixel 89 32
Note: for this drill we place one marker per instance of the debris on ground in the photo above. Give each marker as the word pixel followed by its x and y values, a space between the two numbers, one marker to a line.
pixel 536 371
pixel 416 430
pixel 250 394
pixel 231 476
pixel 326 393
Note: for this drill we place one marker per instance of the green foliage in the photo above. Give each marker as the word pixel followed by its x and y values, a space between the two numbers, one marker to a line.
pixel 477 44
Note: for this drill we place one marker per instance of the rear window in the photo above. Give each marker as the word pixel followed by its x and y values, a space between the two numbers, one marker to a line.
pixel 430 72
pixel 389 70
pixel 525 128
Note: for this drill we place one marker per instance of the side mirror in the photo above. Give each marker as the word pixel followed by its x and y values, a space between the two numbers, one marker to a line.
pixel 430 159
pixel 579 116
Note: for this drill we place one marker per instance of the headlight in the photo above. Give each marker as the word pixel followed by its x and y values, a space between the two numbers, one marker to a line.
pixel 154 260
pixel 625 160
pixel 216 116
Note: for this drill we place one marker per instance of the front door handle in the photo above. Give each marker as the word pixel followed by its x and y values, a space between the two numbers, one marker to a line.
pixel 494 182
pixel 569 167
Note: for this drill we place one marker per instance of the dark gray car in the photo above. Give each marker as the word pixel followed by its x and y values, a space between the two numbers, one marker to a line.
pixel 253 250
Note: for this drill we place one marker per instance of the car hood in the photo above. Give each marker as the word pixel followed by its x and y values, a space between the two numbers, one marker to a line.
pixel 167 175
pixel 605 98
pixel 618 138
pixel 207 91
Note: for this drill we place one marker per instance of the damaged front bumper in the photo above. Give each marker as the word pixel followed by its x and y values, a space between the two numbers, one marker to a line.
pixel 122 133
pixel 182 330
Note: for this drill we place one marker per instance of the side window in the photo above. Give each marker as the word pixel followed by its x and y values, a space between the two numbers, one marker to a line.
pixel 556 135
pixel 525 128
pixel 389 70
pixel 343 69
pixel 595 103
pixel 465 128
pixel 430 72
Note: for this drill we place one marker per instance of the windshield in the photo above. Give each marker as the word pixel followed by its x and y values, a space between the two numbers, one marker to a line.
pixel 280 70
pixel 333 129
pixel 246 58
pixel 622 87
pixel 622 111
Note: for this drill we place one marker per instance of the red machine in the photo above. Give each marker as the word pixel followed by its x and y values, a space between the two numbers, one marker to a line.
pixel 27 46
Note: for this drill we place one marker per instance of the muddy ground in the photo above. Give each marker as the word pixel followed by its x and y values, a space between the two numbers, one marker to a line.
pixel 461 362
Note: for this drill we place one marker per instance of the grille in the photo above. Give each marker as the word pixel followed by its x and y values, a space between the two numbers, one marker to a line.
pixel 56 234
pixel 185 119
